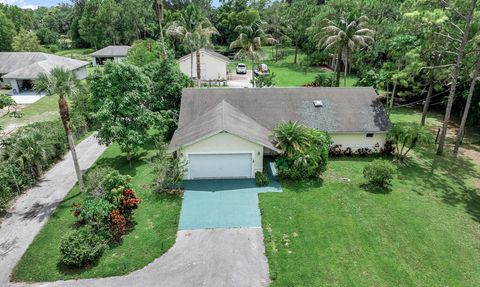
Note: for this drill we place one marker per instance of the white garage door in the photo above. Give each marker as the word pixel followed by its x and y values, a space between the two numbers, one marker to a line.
pixel 220 165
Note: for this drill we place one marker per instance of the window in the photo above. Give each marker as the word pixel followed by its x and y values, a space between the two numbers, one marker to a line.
pixel 369 135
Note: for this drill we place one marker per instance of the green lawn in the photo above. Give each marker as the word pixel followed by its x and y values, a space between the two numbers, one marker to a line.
pixel 44 109
pixel 424 231
pixel 79 54
pixel 154 233
pixel 289 74
pixel 435 121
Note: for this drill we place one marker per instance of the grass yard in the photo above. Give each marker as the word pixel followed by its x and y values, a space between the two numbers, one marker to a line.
pixel 79 54
pixel 424 231
pixel 44 109
pixel 288 74
pixel 154 233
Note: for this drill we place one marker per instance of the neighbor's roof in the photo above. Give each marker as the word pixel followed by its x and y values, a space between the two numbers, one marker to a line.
pixel 111 51
pixel 223 117
pixel 210 52
pixel 28 65
pixel 344 110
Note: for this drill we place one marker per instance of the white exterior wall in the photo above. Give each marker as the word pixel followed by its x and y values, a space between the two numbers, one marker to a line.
pixel 81 73
pixel 213 68
pixel 226 143
pixel 358 140
pixel 118 59
pixel 14 85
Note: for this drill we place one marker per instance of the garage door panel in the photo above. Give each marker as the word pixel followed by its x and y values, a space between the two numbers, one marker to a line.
pixel 235 165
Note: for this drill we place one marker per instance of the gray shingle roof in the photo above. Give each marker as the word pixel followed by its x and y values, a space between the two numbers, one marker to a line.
pixel 28 65
pixel 111 51
pixel 345 110
pixel 211 52
pixel 222 118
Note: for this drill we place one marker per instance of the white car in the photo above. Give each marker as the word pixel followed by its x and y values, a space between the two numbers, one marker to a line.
pixel 241 68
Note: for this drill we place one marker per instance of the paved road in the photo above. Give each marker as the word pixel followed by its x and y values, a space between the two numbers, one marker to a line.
pixel 32 210
pixel 212 257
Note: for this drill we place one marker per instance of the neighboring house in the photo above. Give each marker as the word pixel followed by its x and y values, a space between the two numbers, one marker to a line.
pixel 224 133
pixel 111 53
pixel 19 69
pixel 213 66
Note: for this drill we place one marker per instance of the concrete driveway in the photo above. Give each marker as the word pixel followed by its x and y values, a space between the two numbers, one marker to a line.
pixel 239 81
pixel 210 258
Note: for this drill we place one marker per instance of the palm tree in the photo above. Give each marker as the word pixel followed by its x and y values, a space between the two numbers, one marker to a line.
pixel 63 83
pixel 291 137
pixel 30 152
pixel 250 41
pixel 195 31
pixel 345 38
pixel 159 11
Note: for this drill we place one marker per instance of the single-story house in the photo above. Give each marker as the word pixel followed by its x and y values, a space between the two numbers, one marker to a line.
pixel 213 66
pixel 225 133
pixel 19 69
pixel 111 53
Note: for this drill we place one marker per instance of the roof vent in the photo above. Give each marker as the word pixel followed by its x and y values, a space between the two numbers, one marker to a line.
pixel 318 103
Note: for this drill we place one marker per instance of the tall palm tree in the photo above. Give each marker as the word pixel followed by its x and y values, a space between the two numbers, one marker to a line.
pixel 345 37
pixel 250 41
pixel 291 137
pixel 63 83
pixel 195 31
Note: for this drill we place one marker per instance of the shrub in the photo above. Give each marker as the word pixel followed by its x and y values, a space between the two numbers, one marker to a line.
pixel 406 136
pixel 304 151
pixel 113 184
pixel 379 173
pixel 169 169
pixel 322 80
pixel 261 178
pixel 81 247
pixel 94 179
pixel 94 212
pixel 264 80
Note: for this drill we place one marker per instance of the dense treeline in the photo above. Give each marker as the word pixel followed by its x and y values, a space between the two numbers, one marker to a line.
pixel 413 50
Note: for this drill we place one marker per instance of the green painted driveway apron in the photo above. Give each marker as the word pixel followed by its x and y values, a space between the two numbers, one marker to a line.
pixel 222 203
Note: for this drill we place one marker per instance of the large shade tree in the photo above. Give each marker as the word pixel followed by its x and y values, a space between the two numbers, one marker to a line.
pixel 345 37
pixel 195 31
pixel 250 40
pixel 63 83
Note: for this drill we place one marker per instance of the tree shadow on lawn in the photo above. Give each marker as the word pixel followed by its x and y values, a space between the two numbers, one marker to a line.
pixel 122 164
pixel 376 189
pixel 444 177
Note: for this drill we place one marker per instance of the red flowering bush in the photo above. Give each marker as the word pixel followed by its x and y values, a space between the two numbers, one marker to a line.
pixel 118 224
pixel 129 201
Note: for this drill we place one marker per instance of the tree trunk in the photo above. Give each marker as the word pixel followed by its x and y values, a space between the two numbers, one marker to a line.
pixel 65 116
pixel 253 73
pixel 461 130
pixel 337 68
pixel 394 91
pixel 427 100
pixel 346 69
pixel 455 73
pixel 162 39
pixel 191 65
pixel 296 53
pixel 198 67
